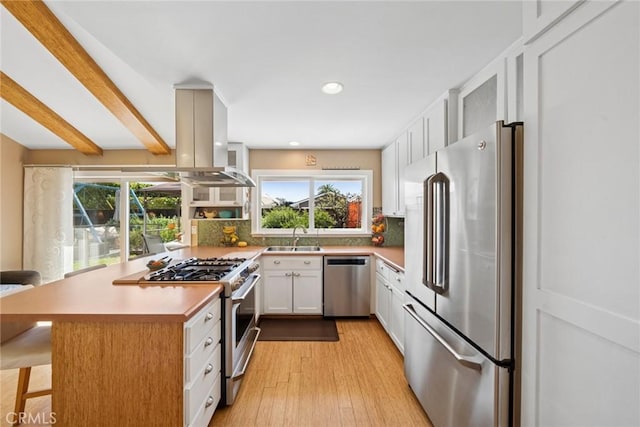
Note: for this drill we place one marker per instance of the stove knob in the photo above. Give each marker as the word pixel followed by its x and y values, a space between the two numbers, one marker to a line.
pixel 235 284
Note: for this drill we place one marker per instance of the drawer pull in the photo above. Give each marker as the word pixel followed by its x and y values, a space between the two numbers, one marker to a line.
pixel 209 402
pixel 276 262
pixel 208 369
pixel 208 342
pixel 209 316
pixel 307 262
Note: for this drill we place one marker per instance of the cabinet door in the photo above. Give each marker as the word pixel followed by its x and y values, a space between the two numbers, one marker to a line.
pixel 403 162
pixel 307 292
pixel 396 320
pixel 436 128
pixel 389 179
pixel 382 302
pixel 277 292
pixel 417 141
pixel 228 195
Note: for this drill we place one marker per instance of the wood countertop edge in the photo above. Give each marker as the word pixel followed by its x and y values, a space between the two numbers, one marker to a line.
pixel 59 300
pixel 117 317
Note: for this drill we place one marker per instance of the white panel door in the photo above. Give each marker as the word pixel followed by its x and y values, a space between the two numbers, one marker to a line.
pixel 539 15
pixel 581 296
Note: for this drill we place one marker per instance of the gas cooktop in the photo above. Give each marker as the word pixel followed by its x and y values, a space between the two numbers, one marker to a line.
pixel 197 270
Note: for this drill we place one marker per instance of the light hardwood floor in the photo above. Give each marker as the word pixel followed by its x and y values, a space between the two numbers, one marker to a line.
pixel 38 407
pixel 357 381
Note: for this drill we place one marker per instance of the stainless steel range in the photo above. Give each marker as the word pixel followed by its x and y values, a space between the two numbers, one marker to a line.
pixel 240 333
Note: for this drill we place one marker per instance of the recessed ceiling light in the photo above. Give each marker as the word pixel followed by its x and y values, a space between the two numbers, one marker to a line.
pixel 332 88
pixel 294 143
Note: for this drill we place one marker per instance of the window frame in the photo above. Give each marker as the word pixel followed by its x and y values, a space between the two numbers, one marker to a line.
pixel 261 175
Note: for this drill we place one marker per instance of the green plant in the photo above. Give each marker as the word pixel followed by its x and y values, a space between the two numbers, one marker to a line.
pixel 284 217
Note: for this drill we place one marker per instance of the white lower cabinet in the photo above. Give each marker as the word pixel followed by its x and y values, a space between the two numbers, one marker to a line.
pixel 382 301
pixel 389 301
pixel 202 364
pixel 292 284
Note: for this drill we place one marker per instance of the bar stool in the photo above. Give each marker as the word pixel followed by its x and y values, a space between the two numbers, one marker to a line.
pixel 24 344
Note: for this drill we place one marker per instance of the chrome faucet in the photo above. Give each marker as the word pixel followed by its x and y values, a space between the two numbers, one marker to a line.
pixel 295 239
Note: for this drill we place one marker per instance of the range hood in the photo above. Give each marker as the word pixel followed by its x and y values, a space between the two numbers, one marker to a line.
pixel 201 141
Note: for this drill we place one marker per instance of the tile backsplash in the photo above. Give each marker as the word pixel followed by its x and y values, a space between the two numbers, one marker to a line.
pixel 210 234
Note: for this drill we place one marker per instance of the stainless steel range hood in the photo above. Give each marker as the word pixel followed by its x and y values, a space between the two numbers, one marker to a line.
pixel 201 141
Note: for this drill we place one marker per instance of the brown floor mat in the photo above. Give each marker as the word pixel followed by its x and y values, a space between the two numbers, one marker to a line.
pixel 298 330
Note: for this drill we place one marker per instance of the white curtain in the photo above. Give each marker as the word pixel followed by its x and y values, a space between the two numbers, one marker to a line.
pixel 48 221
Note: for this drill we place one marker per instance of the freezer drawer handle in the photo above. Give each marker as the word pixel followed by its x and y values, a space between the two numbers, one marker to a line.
pixel 463 360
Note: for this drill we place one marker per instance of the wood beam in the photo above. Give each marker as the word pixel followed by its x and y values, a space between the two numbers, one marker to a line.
pixel 20 98
pixel 38 19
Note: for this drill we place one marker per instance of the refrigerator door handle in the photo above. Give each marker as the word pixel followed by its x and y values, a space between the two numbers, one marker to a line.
pixel 436 239
pixel 428 255
pixel 469 362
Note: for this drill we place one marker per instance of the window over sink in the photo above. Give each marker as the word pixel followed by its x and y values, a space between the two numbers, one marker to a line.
pixel 326 202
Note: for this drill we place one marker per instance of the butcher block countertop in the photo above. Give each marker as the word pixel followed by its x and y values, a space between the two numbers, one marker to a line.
pixel 93 297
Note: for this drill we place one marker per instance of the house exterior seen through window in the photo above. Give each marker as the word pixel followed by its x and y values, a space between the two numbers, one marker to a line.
pixel 334 203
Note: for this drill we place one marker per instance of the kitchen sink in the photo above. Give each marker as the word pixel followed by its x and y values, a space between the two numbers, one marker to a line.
pixel 307 249
pixel 294 249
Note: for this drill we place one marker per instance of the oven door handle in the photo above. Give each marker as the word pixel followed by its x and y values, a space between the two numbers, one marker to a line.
pixel 240 298
pixel 240 374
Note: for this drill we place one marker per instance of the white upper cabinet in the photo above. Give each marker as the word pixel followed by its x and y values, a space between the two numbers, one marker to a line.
pixel 395 157
pixel 389 179
pixel 494 93
pixel 416 140
pixel 436 127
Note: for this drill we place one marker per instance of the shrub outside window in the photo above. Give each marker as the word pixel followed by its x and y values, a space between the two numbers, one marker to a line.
pixel 336 203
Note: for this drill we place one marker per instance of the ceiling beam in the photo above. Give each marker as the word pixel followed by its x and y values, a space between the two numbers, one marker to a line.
pixel 36 17
pixel 20 98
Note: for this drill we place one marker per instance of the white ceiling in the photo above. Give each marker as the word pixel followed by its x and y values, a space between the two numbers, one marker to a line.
pixel 266 59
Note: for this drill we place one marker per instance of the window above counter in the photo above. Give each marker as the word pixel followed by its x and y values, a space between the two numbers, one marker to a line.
pixel 331 201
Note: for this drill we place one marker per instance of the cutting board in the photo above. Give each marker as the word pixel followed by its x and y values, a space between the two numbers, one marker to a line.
pixel 132 279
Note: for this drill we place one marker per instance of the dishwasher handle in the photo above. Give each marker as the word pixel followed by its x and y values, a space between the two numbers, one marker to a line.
pixel 347 261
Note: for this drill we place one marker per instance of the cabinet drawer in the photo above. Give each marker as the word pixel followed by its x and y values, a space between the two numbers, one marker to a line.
pixel 292 263
pixel 396 279
pixel 205 413
pixel 201 324
pixel 383 269
pixel 197 392
pixel 194 362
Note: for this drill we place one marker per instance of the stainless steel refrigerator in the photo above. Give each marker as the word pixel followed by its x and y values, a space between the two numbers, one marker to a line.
pixel 462 270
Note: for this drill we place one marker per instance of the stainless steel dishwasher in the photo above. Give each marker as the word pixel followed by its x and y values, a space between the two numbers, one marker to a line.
pixel 347 286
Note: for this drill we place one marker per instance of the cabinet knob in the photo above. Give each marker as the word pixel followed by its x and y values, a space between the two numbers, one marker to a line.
pixel 209 316
pixel 288 274
pixel 296 274
pixel 209 402
pixel 208 369
pixel 208 342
